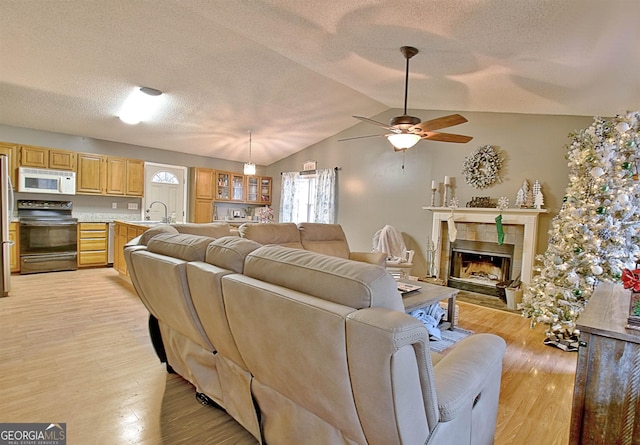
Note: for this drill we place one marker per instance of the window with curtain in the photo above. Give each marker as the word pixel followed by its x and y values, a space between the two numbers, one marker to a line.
pixel 308 198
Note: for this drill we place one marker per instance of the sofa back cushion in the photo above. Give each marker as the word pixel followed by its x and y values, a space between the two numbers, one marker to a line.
pixel 350 283
pixel 156 230
pixel 229 252
pixel 183 246
pixel 328 239
pixel 213 230
pixel 282 234
pixel 159 275
pixel 295 347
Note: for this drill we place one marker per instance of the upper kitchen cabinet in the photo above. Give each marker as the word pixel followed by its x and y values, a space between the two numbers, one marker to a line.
pixel 237 187
pixel 52 158
pixel 222 186
pixel 265 190
pixel 125 177
pixel 258 190
pixel 11 151
pixel 202 180
pixel 90 178
pixel 108 175
pixel 201 193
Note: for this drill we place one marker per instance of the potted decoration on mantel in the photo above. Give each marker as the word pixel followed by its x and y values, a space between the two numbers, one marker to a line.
pixel 631 280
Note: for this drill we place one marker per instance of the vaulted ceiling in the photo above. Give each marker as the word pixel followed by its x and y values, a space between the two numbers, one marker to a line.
pixel 295 71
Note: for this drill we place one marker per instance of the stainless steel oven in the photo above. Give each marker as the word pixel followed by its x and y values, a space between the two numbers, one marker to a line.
pixel 48 236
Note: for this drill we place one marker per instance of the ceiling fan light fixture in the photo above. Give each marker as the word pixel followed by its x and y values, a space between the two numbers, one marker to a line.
pixel 140 105
pixel 402 141
pixel 249 167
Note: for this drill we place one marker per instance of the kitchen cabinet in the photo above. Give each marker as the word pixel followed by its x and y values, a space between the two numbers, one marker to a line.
pixel 222 186
pixel 109 175
pixel 123 233
pixel 606 395
pixel 265 190
pixel 11 151
pixel 51 158
pixel 124 176
pixel 201 194
pixel 92 244
pixel 237 187
pixel 14 250
pixel 258 190
pixel 91 174
pixel 202 211
pixel 202 183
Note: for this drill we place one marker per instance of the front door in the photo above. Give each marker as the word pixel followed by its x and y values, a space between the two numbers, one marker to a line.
pixel 164 183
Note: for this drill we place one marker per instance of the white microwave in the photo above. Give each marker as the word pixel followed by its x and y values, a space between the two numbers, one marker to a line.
pixel 35 180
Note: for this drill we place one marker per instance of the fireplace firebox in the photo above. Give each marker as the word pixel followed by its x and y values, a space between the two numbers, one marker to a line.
pixel 479 266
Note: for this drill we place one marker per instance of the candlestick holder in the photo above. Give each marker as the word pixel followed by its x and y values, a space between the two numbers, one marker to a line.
pixel 446 195
pixel 433 196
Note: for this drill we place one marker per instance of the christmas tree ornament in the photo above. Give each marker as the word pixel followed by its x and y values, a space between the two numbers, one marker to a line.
pixel 596 270
pixel 601 210
pixel 596 172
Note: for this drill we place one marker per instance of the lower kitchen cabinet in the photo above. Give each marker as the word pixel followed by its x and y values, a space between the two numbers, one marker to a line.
pixel 124 233
pixel 92 244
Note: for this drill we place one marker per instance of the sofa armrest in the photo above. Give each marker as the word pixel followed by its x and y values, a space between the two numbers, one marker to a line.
pixel 462 375
pixel 369 257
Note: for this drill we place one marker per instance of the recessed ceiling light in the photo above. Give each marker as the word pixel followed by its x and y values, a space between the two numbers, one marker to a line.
pixel 140 105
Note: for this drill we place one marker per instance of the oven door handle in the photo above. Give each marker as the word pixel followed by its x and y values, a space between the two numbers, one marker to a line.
pixel 48 223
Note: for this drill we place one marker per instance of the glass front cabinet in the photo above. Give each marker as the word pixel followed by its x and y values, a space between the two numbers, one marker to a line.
pixel 265 190
pixel 222 186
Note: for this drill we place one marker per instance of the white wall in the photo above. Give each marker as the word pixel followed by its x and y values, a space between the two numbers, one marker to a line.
pixel 374 190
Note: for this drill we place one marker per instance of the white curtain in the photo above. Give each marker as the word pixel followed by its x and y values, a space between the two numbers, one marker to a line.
pixel 308 198
pixel 325 209
pixel 289 197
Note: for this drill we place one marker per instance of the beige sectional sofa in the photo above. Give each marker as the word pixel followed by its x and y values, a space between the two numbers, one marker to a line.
pixel 301 347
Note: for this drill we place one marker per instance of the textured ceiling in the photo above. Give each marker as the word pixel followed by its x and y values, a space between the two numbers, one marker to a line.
pixel 295 71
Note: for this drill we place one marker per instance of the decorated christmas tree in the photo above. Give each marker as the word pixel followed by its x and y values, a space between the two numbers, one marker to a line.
pixel 596 234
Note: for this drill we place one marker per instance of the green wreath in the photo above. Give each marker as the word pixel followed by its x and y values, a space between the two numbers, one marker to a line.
pixel 482 167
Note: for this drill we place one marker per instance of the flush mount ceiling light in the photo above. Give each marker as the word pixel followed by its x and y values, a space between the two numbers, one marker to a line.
pixel 140 105
pixel 249 167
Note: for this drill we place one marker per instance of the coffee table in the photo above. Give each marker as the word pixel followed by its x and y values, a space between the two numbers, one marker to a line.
pixel 429 294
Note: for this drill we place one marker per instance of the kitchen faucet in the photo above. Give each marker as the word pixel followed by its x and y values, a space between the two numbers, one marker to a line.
pixel 166 218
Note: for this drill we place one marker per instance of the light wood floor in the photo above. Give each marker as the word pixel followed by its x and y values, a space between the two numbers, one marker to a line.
pixel 74 348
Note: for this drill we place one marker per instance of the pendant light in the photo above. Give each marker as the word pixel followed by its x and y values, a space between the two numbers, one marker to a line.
pixel 249 167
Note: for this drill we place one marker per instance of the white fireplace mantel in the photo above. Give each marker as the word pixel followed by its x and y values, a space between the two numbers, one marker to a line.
pixel 525 217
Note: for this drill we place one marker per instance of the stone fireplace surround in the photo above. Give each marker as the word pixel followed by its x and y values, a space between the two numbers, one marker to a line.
pixel 478 224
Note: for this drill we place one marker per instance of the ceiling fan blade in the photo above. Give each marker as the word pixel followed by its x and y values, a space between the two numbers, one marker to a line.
pixel 446 137
pixel 360 137
pixel 441 122
pixel 379 124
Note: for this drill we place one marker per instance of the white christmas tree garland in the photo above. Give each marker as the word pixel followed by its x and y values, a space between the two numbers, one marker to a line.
pixel 482 167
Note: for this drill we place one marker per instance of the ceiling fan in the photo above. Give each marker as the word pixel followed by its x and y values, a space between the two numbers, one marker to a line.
pixel 407 130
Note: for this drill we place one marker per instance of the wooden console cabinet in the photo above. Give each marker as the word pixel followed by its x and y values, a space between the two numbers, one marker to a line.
pixel 606 397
